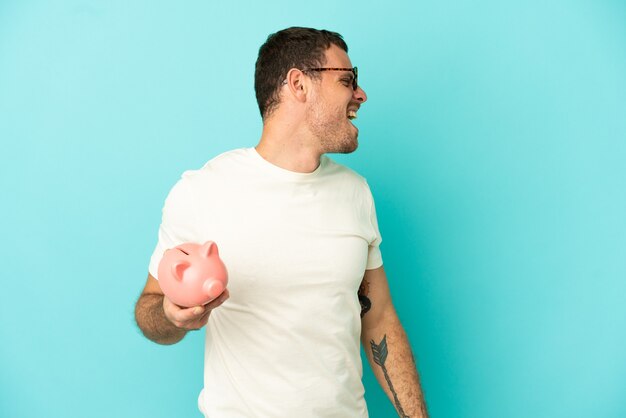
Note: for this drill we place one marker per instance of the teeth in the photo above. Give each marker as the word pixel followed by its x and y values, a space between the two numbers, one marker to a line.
pixel 351 114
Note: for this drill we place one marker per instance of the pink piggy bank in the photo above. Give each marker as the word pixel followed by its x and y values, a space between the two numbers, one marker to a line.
pixel 192 274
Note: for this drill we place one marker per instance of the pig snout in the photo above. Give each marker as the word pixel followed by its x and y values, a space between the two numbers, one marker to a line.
pixel 213 288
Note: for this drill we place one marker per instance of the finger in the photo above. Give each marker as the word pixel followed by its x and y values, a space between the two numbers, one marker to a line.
pixel 218 300
pixel 208 308
pixel 196 312
pixel 202 321
pixel 222 296
pixel 198 322
pixel 181 315
pixel 191 314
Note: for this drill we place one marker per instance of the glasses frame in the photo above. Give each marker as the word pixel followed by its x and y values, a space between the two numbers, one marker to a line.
pixel 354 71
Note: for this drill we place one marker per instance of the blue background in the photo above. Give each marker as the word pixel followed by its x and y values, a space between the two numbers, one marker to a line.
pixel 494 141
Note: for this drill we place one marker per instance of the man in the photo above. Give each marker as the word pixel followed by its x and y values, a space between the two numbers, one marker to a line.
pixel 299 236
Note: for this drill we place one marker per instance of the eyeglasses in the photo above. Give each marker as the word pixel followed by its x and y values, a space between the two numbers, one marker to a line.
pixel 354 71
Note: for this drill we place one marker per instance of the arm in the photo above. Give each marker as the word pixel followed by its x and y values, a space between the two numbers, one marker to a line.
pixel 162 321
pixel 387 347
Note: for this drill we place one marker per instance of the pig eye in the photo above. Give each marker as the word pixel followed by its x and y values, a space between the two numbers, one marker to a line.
pixel 186 253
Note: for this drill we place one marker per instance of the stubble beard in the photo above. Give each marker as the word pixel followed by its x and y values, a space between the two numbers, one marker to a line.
pixel 335 135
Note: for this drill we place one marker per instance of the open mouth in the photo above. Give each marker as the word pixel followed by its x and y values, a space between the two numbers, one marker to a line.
pixel 351 114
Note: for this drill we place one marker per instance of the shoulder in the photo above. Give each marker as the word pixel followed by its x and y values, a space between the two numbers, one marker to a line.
pixel 216 167
pixel 344 174
pixel 192 186
pixel 227 158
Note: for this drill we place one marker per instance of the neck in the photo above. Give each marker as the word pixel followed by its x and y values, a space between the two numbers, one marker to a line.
pixel 288 146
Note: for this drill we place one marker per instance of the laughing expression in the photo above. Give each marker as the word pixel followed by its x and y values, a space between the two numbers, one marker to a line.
pixel 334 103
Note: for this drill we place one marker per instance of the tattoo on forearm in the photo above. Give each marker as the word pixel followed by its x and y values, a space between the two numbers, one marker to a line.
pixel 379 352
pixel 366 303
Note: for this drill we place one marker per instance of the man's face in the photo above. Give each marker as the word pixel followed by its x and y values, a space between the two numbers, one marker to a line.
pixel 332 99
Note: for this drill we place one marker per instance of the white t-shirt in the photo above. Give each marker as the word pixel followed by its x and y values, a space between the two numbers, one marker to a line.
pixel 296 245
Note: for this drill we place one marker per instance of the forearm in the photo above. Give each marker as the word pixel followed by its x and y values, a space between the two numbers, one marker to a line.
pixel 393 364
pixel 152 322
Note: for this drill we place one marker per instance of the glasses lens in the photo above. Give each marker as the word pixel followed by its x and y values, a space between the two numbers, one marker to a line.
pixel 355 82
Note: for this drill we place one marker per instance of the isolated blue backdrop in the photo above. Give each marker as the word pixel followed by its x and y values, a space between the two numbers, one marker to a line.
pixel 494 141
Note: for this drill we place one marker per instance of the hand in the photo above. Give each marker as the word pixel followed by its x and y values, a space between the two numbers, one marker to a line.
pixel 191 318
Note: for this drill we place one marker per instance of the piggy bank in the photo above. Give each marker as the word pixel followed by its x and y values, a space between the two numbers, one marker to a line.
pixel 192 274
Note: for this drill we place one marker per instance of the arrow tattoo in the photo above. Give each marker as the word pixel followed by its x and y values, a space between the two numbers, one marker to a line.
pixel 379 352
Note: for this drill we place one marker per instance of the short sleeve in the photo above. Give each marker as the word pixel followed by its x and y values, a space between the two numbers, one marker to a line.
pixel 374 256
pixel 177 222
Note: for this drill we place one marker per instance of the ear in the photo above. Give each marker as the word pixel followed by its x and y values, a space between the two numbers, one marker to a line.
pixel 208 249
pixel 298 84
pixel 178 269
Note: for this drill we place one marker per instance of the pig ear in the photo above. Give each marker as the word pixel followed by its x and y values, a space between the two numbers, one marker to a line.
pixel 178 269
pixel 208 249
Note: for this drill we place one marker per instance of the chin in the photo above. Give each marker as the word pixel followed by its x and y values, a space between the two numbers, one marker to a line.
pixel 348 146
pixel 343 143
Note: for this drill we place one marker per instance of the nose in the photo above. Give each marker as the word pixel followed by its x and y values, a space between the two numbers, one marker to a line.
pixel 359 95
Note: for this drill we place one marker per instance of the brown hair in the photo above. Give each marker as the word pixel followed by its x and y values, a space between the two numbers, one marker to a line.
pixel 294 47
